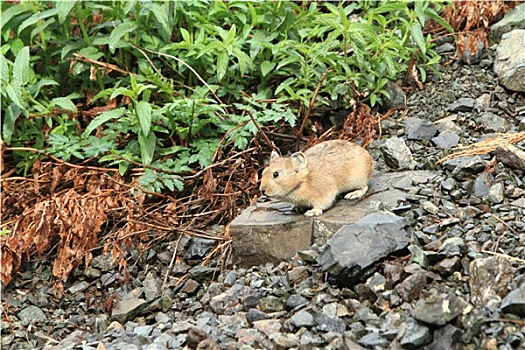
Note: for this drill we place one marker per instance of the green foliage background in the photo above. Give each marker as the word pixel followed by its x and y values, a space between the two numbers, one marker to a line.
pixel 201 70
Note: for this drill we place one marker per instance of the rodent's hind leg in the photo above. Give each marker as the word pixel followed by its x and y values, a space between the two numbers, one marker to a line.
pixel 357 193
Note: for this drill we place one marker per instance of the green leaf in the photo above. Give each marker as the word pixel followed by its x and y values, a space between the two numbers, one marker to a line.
pixel 102 118
pixel 417 35
pixel 65 103
pixel 4 70
pixel 117 34
pixel 36 18
pixel 222 64
pixel 21 67
pixel 144 114
pixel 64 7
pixel 41 28
pixel 8 127
pixel 15 95
pixel 9 13
pixel 161 16
pixel 266 67
pixel 185 35
pixel 147 147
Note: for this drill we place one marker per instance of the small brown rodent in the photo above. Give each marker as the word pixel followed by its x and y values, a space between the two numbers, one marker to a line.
pixel 313 179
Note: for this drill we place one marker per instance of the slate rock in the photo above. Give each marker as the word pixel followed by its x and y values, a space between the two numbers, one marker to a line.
pixel 397 155
pixel 482 185
pixel 521 126
pixel 356 247
pixel 447 140
pixel 466 166
pixel 412 286
pixel 297 274
pixel 325 323
pixel 464 104
pixel 511 156
pixel 446 47
pixel 302 319
pixel 268 326
pixel 32 314
pixel 446 338
pixel 512 20
pixel 489 278
pixel 152 287
pixel 448 126
pixel 397 95
pixel 128 309
pixel 509 64
pixel 373 341
pixel 448 184
pixel 199 248
pixel 294 301
pixel 190 286
pixel 271 304
pixel 414 335
pixel 493 123
pixel 201 273
pixel 514 302
pixel 419 129
pixel 439 309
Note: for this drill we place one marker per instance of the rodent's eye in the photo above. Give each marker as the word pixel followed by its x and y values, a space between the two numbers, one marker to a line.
pixel 275 174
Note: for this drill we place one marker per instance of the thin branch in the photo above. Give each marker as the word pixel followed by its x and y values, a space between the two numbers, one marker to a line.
pixel 307 115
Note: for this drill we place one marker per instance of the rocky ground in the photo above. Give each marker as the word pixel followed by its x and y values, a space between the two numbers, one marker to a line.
pixel 459 282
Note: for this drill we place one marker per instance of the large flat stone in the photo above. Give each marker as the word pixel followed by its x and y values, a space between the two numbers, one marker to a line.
pixel 272 232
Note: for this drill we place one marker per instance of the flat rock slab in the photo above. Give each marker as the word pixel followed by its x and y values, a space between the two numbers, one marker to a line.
pixel 271 232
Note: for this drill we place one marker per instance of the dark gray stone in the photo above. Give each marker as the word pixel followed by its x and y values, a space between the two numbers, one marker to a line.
pixel 446 140
pixel 446 338
pixel 255 315
pixel 493 123
pixel 419 129
pixel 414 335
pixel 497 193
pixel 462 105
pixel 473 57
pixel 294 301
pixel 199 248
pixel 128 309
pixel 397 155
pixel 439 309
pixel 514 302
pixel 482 185
pixel 32 314
pixel 448 184
pixel 397 95
pixel 446 47
pixel 514 19
pixel 325 323
pixel 152 287
pixel 373 341
pixel 357 247
pixel 302 319
pixel 466 166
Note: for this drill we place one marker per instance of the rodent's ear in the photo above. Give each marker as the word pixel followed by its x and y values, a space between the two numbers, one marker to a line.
pixel 274 156
pixel 299 161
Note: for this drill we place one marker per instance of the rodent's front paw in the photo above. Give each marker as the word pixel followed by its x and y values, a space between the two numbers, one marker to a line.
pixel 313 212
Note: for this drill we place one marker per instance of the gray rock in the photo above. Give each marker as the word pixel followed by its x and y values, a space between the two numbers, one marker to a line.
pixel 475 57
pixel 397 95
pixel 448 126
pixel 325 323
pixel 447 140
pixel 419 129
pixel 373 341
pixel 497 193
pixel 466 166
pixel 413 335
pixel 356 247
pixel 32 314
pixel 199 248
pixel 510 60
pixel 453 246
pixel 448 266
pixel 201 273
pixel 397 155
pixel 255 315
pixel 412 286
pixel 271 304
pixel 482 185
pixel 514 302
pixel 439 309
pixel 446 338
pixel 489 279
pixel 190 286
pixel 297 274
pixel 143 330
pixel 152 287
pixel 448 184
pixel 268 326
pixel 519 203
pixel 446 47
pixel 285 341
pixel 302 319
pixel 512 20
pixel 231 278
pixel 511 156
pixel 493 123
pixel 521 126
pixel 462 105
pixel 128 309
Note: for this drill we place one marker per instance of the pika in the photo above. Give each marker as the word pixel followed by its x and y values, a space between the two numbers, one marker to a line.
pixel 313 179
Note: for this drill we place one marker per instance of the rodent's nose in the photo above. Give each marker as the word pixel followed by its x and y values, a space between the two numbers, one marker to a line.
pixel 263 192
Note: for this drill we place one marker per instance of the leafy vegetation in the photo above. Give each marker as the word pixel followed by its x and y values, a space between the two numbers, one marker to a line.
pixel 166 83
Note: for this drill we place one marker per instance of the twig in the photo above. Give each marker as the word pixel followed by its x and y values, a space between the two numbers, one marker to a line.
pixel 504 255
pixel 109 66
pixel 307 115
pixel 266 139
pixel 173 257
pixel 501 237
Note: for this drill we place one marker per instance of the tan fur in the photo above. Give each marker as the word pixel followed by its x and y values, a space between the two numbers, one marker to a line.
pixel 314 178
